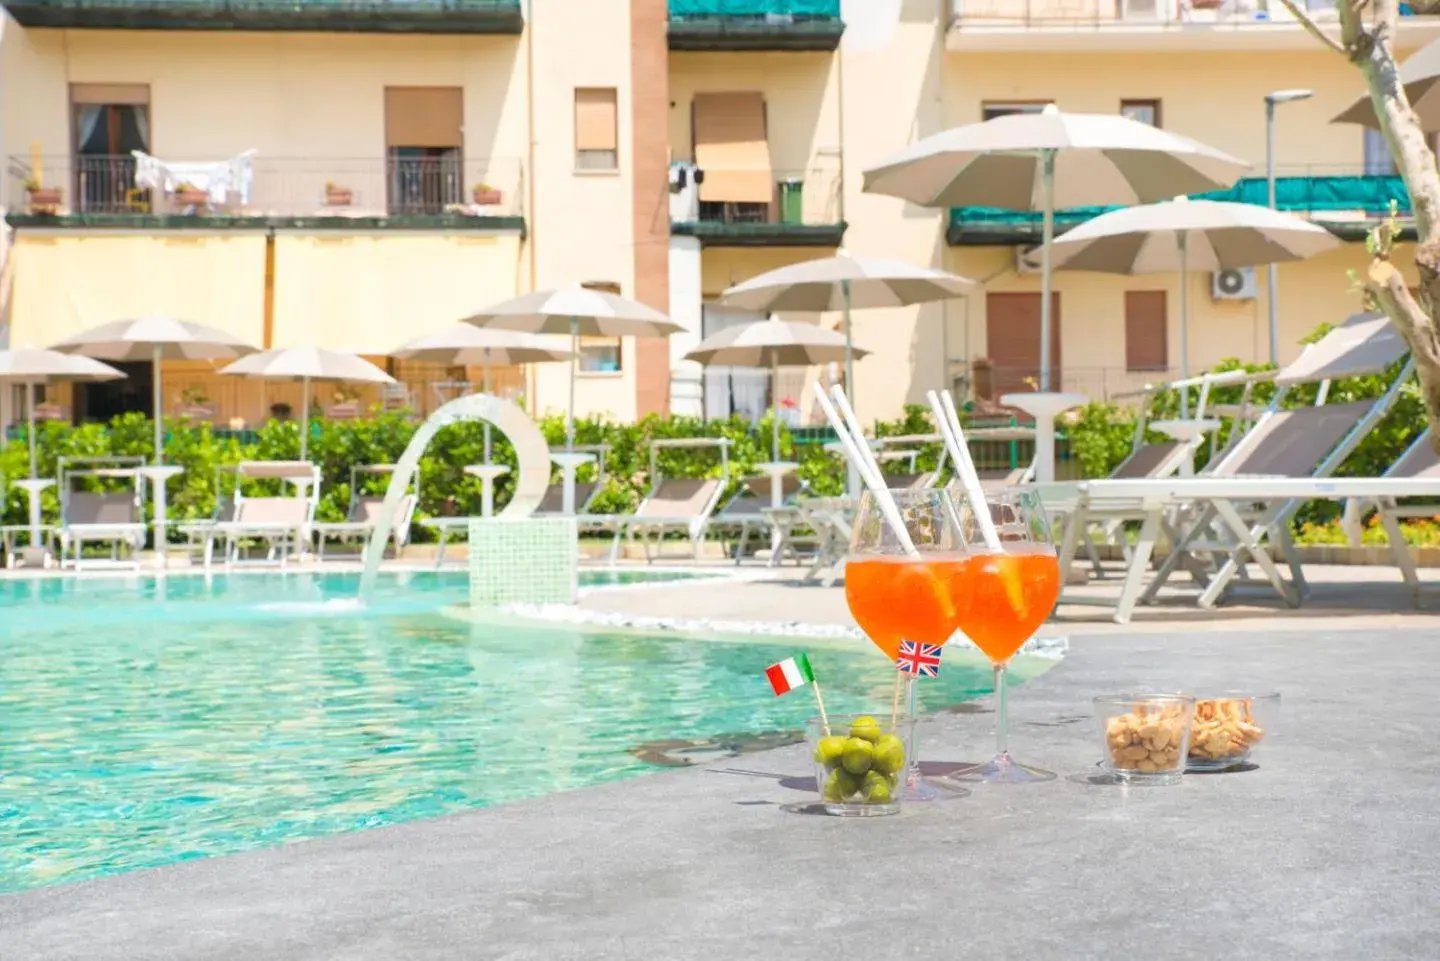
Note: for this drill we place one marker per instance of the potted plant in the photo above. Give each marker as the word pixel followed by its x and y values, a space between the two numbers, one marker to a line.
pixel 189 195
pixel 41 199
pixel 195 403
pixel 346 404
pixel 337 195
pixel 485 195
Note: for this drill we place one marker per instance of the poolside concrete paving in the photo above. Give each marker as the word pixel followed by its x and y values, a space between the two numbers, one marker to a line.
pixel 1329 848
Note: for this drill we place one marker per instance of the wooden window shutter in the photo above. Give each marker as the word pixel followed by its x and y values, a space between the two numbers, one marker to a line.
pixel 424 117
pixel 595 118
pixel 1146 330
pixel 731 148
pixel 110 93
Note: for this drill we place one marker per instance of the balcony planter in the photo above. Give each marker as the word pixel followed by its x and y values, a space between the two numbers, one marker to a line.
pixel 345 410
pixel 486 196
pixel 43 200
pixel 338 196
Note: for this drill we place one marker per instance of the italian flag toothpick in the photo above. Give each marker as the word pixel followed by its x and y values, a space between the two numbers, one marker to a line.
pixel 796 672
pixel 789 674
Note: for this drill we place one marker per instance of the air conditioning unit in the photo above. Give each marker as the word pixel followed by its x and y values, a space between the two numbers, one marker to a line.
pixel 1140 9
pixel 1027 260
pixel 1234 284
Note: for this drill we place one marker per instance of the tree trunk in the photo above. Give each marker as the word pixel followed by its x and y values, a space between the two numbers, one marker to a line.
pixel 1367 30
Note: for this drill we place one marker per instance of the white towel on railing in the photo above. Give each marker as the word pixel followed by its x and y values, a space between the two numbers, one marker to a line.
pixel 219 179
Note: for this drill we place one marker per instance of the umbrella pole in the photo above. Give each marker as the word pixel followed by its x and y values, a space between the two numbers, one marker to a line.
pixel 574 362
pixel 852 477
pixel 159 404
pixel 775 410
pixel 1047 237
pixel 1183 242
pixel 305 418
pixel 30 422
pixel 485 387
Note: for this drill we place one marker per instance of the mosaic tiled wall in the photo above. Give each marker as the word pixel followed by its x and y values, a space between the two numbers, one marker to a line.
pixel 531 561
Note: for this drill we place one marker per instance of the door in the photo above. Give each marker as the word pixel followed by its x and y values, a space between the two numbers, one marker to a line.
pixel 100 402
pixel 1012 332
pixel 104 174
pixel 733 390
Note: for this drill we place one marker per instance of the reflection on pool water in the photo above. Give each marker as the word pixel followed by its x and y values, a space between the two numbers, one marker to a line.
pixel 144 722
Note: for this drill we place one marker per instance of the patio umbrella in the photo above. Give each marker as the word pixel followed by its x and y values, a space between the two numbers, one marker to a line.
pixel 155 339
pixel 577 311
pixel 1420 76
pixel 467 345
pixel 1182 234
pixel 31 366
pixel 843 283
pixel 306 364
pixel 1050 160
pixel 773 344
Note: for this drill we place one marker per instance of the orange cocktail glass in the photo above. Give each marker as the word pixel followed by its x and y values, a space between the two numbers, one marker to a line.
pixel 896 596
pixel 1001 600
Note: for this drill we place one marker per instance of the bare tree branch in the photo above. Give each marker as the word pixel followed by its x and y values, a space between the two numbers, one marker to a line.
pixel 1313 28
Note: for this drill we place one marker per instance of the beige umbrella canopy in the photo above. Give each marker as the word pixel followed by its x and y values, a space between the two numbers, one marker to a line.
pixel 306 364
pixel 466 345
pixel 842 283
pixel 31 366
pixel 1181 235
pixel 1420 76
pixel 155 339
pixel 1041 161
pixel 773 344
pixel 577 311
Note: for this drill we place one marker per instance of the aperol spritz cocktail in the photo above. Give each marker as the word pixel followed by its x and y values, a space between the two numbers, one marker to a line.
pixel 1002 599
pixel 897 596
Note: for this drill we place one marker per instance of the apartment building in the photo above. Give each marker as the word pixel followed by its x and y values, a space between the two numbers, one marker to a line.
pixel 356 175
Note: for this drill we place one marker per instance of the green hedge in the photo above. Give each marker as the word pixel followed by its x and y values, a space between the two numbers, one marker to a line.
pixel 1097 438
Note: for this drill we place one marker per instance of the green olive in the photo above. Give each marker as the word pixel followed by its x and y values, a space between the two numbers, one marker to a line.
pixel 858 755
pixel 889 754
pixel 877 788
pixel 829 748
pixel 866 728
pixel 840 785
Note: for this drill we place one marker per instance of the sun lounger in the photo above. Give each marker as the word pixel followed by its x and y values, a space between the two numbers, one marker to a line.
pixel 750 511
pixel 113 517
pixel 363 514
pixel 674 505
pixel 280 522
pixel 1201 519
pixel 1421 465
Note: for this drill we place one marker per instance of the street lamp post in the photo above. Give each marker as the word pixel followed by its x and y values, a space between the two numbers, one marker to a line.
pixel 1271 99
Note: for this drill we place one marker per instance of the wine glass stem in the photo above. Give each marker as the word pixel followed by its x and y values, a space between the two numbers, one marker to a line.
pixel 912 771
pixel 1002 720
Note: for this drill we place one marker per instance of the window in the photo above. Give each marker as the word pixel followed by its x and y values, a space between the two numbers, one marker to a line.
pixel 423 140
pixel 733 149
pixel 596 137
pixel 601 355
pixel 1146 340
pixel 989 111
pixel 1142 111
pixel 108 121
pixel 1378 162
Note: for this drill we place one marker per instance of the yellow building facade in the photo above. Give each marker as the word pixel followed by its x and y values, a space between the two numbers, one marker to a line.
pixel 355 177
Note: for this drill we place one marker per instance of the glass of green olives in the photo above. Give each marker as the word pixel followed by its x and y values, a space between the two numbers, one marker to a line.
pixel 859 761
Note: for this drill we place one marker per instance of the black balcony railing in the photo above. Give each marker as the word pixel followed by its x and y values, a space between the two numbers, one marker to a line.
pixel 348 16
pixel 465 191
pixel 803 210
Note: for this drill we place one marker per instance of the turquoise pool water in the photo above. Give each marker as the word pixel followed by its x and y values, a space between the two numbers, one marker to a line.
pixel 144 722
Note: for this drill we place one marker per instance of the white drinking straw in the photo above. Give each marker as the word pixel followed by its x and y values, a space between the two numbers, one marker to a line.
pixel 948 420
pixel 872 479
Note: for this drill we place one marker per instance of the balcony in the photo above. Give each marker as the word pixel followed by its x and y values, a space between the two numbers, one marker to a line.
pixel 1347 201
pixel 1149 25
pixel 326 16
pixel 804 212
pixel 406 193
pixel 755 24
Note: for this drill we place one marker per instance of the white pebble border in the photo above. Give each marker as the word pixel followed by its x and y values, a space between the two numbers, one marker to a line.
pixel 1047 647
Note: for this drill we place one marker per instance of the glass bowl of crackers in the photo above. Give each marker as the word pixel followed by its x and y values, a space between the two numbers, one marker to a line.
pixel 1227 728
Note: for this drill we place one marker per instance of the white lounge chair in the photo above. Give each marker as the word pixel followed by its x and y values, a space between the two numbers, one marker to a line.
pixel 363 513
pixel 280 522
pixel 674 504
pixel 1227 520
pixel 750 511
pixel 114 517
pixel 1420 464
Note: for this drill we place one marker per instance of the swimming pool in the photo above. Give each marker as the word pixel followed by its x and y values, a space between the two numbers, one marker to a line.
pixel 144 721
